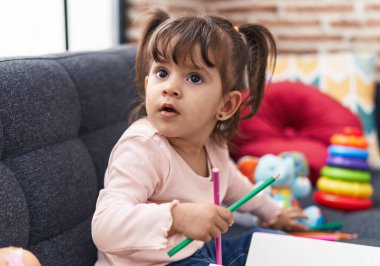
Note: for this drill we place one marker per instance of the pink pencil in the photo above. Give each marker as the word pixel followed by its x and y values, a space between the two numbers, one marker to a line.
pixel 218 240
pixel 332 236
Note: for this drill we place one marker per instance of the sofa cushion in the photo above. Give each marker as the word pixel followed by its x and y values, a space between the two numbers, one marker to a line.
pixel 14 218
pixel 60 116
pixel 104 83
pixel 294 117
pixel 39 105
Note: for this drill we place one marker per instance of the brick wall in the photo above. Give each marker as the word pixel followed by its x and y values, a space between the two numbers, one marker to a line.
pixel 299 26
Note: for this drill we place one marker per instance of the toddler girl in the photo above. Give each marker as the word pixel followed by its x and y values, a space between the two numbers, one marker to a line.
pixel 158 189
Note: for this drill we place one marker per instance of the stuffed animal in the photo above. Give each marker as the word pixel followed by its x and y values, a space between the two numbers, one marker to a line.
pixel 291 185
pixel 247 165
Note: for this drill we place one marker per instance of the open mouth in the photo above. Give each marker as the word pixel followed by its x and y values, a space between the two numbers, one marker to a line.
pixel 168 109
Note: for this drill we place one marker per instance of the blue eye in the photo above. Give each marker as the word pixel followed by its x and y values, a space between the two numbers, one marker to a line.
pixel 161 73
pixel 195 79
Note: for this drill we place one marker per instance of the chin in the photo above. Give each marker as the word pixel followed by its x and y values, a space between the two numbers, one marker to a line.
pixel 168 134
pixel 166 130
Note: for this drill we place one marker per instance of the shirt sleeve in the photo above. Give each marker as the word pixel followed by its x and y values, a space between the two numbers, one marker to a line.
pixel 261 205
pixel 124 219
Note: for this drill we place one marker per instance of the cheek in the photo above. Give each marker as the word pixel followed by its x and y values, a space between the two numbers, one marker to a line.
pixel 152 88
pixel 149 92
pixel 149 101
pixel 206 106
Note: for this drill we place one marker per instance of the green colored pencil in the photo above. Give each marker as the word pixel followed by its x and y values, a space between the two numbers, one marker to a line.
pixel 327 226
pixel 232 208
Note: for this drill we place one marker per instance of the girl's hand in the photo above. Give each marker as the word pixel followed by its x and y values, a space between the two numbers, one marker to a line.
pixel 286 220
pixel 200 221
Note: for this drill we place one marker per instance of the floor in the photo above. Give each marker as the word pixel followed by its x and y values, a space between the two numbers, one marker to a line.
pixel 365 223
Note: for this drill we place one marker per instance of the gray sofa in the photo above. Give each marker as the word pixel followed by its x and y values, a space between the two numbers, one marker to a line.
pixel 60 116
pixel 59 119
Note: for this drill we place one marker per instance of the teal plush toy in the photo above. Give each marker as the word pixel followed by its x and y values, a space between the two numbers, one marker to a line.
pixel 292 183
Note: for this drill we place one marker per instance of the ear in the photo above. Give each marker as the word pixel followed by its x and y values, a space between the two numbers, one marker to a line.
pixel 146 83
pixel 229 106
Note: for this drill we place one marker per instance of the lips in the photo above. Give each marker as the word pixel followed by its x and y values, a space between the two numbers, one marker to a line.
pixel 168 110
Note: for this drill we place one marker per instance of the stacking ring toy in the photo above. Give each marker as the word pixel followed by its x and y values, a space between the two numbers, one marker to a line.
pixel 344 151
pixel 346 174
pixel 346 162
pixel 353 189
pixel 342 202
pixel 352 131
pixel 352 141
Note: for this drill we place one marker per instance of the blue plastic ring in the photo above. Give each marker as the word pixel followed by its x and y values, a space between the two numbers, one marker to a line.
pixel 344 151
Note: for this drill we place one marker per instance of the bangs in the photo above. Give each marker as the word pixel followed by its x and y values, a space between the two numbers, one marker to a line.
pixel 179 39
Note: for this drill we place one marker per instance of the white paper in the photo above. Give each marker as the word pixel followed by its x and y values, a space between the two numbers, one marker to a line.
pixel 284 250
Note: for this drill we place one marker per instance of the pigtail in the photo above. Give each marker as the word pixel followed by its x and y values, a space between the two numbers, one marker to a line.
pixel 155 18
pixel 261 51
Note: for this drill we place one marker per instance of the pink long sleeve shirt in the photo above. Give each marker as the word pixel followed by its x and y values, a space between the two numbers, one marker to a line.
pixel 144 179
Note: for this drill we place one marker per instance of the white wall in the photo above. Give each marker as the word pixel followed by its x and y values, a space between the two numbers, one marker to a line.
pixel 31 27
pixel 34 27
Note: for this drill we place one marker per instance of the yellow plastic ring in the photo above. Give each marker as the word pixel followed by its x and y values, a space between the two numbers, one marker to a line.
pixel 353 141
pixel 339 187
pixel 346 174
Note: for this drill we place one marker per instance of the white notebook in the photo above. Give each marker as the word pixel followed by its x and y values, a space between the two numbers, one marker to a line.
pixel 276 250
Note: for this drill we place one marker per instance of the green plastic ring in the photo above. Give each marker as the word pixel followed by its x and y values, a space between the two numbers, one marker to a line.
pixel 346 174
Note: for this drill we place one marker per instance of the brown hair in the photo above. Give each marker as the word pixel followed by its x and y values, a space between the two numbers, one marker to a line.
pixel 240 54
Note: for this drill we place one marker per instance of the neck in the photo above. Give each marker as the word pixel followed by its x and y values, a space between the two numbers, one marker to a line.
pixel 194 154
pixel 187 148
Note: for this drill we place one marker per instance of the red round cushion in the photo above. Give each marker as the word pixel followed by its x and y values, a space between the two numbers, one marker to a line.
pixel 294 117
pixel 342 202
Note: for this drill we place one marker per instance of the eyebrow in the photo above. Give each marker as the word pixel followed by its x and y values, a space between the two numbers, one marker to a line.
pixel 200 69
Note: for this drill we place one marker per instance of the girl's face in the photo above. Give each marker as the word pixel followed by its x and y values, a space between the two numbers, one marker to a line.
pixel 182 101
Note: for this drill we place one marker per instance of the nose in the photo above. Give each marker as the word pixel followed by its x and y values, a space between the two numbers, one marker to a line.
pixel 168 91
pixel 172 88
pixel 171 91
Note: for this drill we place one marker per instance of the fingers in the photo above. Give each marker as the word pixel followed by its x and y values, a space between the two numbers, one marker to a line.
pixel 206 238
pixel 222 225
pixel 219 227
pixel 215 232
pixel 225 214
pixel 287 220
pixel 212 221
pixel 296 226
pixel 223 221
pixel 295 213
